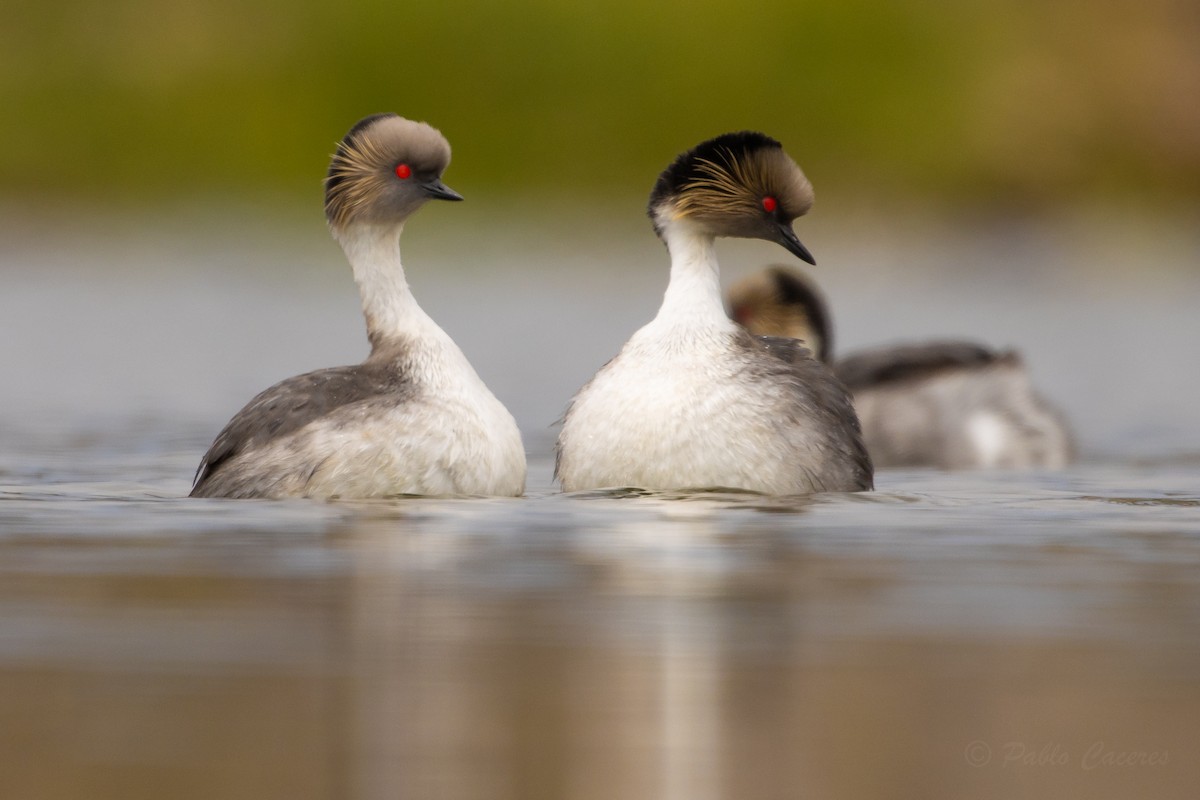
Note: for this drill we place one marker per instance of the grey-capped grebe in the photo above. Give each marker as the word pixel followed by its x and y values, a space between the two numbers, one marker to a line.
pixel 692 401
pixel 945 404
pixel 414 418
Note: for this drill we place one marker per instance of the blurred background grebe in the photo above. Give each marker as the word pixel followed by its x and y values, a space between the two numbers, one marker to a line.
pixel 1006 174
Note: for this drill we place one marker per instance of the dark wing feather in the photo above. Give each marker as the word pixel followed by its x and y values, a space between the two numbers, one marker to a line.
pixel 912 361
pixel 289 405
pixel 825 398
pixel 791 351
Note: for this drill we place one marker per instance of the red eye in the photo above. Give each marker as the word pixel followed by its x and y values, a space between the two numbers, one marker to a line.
pixel 403 171
pixel 770 204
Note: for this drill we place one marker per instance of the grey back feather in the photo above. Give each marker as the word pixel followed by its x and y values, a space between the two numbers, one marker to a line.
pixel 289 406
pixel 894 363
pixel 818 396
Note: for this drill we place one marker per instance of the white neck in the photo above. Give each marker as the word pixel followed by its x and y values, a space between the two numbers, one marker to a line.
pixel 388 304
pixel 693 296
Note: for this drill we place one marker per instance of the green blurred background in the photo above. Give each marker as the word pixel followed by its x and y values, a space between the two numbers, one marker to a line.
pixel 1013 104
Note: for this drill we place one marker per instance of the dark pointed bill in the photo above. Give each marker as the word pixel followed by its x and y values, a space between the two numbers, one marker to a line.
pixel 788 238
pixel 440 191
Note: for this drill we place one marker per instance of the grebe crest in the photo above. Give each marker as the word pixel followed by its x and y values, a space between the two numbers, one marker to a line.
pixel 739 184
pixel 384 169
pixel 779 301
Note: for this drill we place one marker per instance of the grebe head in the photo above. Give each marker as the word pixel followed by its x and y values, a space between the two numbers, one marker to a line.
pixel 738 184
pixel 780 301
pixel 385 169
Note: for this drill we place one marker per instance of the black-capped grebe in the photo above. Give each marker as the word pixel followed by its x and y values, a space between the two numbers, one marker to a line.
pixel 945 404
pixel 414 418
pixel 692 401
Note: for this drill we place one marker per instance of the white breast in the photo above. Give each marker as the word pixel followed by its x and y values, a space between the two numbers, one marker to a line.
pixel 674 412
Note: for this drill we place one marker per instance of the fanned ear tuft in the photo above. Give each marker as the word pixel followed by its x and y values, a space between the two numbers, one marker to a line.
pixel 362 173
pixel 711 161
pixel 744 174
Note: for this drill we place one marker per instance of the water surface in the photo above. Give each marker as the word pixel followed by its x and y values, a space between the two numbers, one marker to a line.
pixel 959 635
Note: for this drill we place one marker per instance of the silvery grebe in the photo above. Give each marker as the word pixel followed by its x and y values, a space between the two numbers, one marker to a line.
pixel 414 418
pixel 692 401
pixel 945 404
